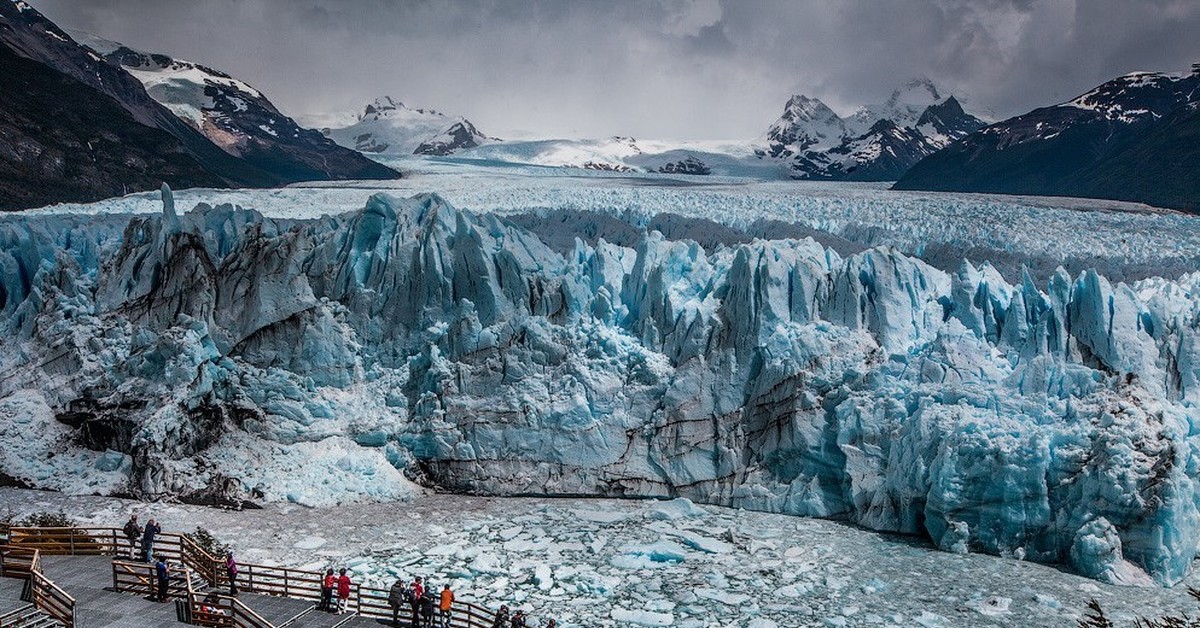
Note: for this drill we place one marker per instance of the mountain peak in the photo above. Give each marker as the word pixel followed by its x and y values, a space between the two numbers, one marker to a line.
pixel 801 107
pixel 919 92
pixel 386 106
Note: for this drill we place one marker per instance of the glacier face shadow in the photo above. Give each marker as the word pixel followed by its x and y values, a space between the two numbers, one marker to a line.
pixel 223 355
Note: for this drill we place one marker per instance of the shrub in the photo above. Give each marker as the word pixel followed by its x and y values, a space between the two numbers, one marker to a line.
pixel 46 520
pixel 207 542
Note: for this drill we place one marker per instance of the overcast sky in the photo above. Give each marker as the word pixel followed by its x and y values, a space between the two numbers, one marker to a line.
pixel 682 69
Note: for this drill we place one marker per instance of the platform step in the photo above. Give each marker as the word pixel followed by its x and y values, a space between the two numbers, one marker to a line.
pixel 28 617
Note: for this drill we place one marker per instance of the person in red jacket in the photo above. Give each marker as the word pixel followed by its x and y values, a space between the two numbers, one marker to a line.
pixel 415 592
pixel 327 586
pixel 343 588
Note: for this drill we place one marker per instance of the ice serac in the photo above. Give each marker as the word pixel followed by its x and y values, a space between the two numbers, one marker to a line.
pixel 226 354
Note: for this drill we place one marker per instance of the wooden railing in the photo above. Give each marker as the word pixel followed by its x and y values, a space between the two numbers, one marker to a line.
pixel 17 562
pixel 26 564
pixel 226 612
pixel 52 600
pixel 66 541
pixel 373 602
pixel 142 579
pixel 252 578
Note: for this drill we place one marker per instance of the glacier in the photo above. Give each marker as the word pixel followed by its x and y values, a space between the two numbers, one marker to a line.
pixel 221 353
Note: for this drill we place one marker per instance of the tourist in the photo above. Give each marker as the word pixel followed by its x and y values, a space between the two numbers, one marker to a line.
pixel 427 607
pixel 231 570
pixel 152 528
pixel 160 569
pixel 396 598
pixel 445 604
pixel 416 591
pixel 552 624
pixel 519 620
pixel 501 617
pixel 327 592
pixel 343 591
pixel 133 532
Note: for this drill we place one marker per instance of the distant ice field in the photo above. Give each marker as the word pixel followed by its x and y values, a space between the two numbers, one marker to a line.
pixel 1125 241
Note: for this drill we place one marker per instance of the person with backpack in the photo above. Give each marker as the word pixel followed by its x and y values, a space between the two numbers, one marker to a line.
pixel 501 620
pixel 327 585
pixel 416 591
pixel 397 595
pixel 160 570
pixel 519 619
pixel 427 607
pixel 148 533
pixel 343 591
pixel 445 604
pixel 231 570
pixel 133 532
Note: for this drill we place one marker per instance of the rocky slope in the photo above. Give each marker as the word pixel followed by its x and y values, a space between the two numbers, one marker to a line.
pixel 61 140
pixel 73 122
pixel 1132 138
pixel 240 119
pixel 29 34
pixel 221 353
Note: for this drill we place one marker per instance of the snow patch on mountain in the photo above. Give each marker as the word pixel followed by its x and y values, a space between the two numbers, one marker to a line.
pixel 388 126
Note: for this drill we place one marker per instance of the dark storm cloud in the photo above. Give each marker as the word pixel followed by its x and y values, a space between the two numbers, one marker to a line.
pixel 680 68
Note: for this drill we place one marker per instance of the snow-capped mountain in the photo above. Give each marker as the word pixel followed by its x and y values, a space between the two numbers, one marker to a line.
pixel 83 142
pixel 628 154
pixel 1132 138
pixel 875 143
pixel 30 35
pixel 51 151
pixel 390 127
pixel 237 117
pixel 222 353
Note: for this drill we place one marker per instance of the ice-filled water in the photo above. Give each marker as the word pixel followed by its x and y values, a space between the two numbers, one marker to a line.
pixel 583 562
pixel 223 353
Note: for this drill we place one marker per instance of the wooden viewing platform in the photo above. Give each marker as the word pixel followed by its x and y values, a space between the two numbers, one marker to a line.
pixel 78 577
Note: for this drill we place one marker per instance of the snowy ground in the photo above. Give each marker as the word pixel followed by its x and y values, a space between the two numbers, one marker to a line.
pixel 592 562
pixel 1125 241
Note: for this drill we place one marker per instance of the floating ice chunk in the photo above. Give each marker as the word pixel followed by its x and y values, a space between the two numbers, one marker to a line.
pixel 676 509
pixel 643 618
pixel 600 516
pixel 994 606
pixel 309 543
pixel 1096 553
pixel 543 578
pixel 724 597
pixel 659 552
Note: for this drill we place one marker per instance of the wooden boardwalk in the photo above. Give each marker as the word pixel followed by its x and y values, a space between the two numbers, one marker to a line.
pixel 76 582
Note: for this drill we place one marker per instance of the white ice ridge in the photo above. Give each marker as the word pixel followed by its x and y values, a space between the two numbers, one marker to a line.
pixel 329 360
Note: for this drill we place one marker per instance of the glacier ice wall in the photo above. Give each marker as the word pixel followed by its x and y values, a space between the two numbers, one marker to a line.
pixel 221 354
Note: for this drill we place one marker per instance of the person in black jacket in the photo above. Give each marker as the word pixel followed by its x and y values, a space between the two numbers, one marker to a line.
pixel 148 533
pixel 501 617
pixel 133 532
pixel 397 596
pixel 160 569
pixel 427 606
